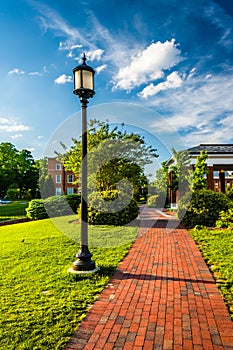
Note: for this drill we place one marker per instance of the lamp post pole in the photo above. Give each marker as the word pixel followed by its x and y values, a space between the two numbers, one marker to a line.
pixel 84 88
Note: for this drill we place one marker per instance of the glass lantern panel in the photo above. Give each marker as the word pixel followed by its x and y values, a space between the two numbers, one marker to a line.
pixel 88 80
pixel 77 79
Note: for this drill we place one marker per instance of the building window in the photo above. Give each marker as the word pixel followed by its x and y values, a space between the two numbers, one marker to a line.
pixel 58 179
pixel 58 166
pixel 70 190
pixel 58 191
pixel 69 178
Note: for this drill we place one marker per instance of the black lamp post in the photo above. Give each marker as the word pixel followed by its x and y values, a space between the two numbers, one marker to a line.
pixel 84 88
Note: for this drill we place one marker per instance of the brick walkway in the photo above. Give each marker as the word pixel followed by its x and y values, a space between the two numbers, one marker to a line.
pixel 162 296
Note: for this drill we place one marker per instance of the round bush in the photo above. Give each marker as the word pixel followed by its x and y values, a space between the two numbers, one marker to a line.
pixel 53 206
pixel 36 210
pixel 121 215
pixel 202 207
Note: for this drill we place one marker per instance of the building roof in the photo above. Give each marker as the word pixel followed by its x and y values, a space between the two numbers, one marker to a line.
pixel 212 148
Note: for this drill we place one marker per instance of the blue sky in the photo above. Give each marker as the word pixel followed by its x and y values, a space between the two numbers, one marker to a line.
pixel 168 62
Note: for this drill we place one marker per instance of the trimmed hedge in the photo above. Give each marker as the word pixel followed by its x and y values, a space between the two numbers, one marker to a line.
pixel 202 207
pixel 53 206
pixel 111 208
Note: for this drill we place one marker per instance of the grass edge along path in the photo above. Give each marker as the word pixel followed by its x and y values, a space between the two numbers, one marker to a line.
pixel 41 304
pixel 216 246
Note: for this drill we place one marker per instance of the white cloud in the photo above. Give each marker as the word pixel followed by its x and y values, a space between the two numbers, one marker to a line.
pixel 16 71
pixel 34 73
pixel 67 46
pixel 223 23
pixel 173 81
pixel 148 65
pixel 50 19
pixel 100 68
pixel 94 55
pixel 63 79
pixel 201 109
pixel 40 137
pixel 16 136
pixel 10 125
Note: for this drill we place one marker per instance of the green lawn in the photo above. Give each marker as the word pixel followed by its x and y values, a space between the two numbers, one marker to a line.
pixel 41 304
pixel 13 210
pixel 216 246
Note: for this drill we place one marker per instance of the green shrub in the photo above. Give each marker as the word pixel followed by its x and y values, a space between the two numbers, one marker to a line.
pixel 53 206
pixel 229 193
pixel 74 201
pixel 13 194
pixel 225 219
pixel 202 207
pixel 152 200
pixel 107 208
pixel 36 210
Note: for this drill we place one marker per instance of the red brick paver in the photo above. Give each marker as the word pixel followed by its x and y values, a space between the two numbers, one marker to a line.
pixel 162 296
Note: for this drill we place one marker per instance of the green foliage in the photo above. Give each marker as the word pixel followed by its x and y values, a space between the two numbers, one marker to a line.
pixel 74 201
pixel 107 208
pixel 202 207
pixel 45 180
pixel 197 179
pixel 229 193
pixel 53 206
pixel 41 304
pixel 217 249
pixel 113 155
pixel 225 219
pixel 36 210
pixel 13 210
pixel 13 194
pixel 152 201
pixel 179 171
pixel 161 182
pixel 18 168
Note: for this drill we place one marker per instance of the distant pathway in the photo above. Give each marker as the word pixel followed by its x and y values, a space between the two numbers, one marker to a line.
pixel 162 296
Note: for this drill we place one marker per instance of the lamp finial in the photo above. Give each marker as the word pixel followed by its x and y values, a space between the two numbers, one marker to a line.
pixel 84 58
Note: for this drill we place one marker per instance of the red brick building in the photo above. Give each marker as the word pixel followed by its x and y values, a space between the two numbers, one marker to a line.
pixel 63 180
pixel 220 167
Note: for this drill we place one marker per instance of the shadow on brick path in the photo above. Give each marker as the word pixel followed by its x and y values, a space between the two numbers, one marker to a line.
pixel 162 296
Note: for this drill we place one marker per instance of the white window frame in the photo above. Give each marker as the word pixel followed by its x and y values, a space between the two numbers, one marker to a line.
pixel 68 181
pixel 58 166
pixel 70 190
pixel 58 191
pixel 58 179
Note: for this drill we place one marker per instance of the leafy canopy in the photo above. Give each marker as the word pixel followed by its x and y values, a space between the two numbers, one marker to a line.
pixel 113 155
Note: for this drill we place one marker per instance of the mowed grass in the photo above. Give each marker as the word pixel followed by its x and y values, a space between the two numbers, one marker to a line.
pixel 12 210
pixel 216 246
pixel 42 304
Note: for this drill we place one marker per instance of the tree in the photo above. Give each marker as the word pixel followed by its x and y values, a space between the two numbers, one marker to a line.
pixel 113 155
pixel 45 181
pixel 18 170
pixel 179 179
pixel 197 180
pixel 161 180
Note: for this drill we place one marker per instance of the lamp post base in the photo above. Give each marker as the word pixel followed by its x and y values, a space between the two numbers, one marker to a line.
pixel 83 264
pixel 79 272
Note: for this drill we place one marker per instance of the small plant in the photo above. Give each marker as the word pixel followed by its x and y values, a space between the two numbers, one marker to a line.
pixel 152 201
pixel 225 219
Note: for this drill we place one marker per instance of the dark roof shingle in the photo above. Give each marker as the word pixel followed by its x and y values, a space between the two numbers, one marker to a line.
pixel 212 148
